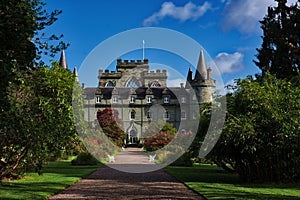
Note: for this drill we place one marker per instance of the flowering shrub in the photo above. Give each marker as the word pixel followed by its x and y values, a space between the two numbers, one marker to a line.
pixel 158 141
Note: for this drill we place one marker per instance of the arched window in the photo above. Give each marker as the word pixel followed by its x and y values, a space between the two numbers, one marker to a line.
pixel 132 114
pixel 133 83
pixel 109 84
pixel 155 84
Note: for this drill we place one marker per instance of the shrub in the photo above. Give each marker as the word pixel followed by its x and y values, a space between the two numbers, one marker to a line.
pixel 158 141
pixel 85 159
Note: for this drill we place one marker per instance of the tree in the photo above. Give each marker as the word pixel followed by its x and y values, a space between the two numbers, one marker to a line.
pixel 110 123
pixel 35 103
pixel 280 51
pixel 39 122
pixel 262 133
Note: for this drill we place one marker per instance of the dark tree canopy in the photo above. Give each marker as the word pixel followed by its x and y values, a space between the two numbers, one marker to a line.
pixel 280 50
pixel 20 39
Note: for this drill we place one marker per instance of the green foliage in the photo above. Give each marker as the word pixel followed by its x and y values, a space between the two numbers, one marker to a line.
pixel 85 158
pixel 262 131
pixel 22 42
pixel 280 51
pixel 38 123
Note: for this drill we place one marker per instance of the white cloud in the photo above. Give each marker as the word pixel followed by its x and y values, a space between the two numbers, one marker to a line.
pixel 175 82
pixel 184 13
pixel 246 14
pixel 229 63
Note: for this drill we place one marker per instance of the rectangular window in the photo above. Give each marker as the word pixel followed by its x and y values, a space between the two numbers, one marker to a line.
pixel 148 115
pixel 149 100
pixel 166 115
pixel 115 99
pixel 132 99
pixel 166 99
pixel 98 99
pixel 132 115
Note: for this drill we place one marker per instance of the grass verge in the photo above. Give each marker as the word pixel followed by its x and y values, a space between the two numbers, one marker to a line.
pixel 56 176
pixel 215 183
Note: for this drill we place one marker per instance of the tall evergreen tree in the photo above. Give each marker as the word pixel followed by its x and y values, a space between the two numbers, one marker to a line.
pixel 280 50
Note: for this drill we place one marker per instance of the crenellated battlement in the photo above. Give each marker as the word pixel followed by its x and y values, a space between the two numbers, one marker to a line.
pixel 109 74
pixel 131 63
pixel 156 74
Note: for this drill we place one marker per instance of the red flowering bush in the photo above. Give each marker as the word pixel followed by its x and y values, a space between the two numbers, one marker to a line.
pixel 158 141
pixel 110 123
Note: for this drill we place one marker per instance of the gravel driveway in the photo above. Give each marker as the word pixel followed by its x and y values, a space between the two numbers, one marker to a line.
pixel 109 183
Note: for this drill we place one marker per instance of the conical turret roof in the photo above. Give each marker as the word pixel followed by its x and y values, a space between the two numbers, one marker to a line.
pixel 201 72
pixel 63 60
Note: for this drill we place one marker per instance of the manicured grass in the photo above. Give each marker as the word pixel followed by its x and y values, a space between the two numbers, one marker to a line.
pixel 56 176
pixel 214 183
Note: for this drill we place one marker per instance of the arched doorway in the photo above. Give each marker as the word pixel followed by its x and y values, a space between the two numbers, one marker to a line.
pixel 132 135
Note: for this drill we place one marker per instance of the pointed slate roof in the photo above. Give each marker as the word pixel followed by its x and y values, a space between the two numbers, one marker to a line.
pixel 76 73
pixel 63 60
pixel 201 72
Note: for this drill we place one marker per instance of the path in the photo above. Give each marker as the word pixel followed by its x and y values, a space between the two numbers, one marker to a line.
pixel 108 183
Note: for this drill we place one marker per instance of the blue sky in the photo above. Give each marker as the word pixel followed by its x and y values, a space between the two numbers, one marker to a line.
pixel 227 29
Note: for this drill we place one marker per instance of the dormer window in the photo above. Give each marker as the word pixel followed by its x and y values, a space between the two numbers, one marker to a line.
pixel 166 99
pixel 115 99
pixel 98 99
pixel 149 99
pixel 132 99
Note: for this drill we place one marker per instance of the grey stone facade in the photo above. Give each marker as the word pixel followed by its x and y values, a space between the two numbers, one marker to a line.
pixel 142 96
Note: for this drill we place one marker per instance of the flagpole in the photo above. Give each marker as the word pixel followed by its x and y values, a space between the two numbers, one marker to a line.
pixel 143 49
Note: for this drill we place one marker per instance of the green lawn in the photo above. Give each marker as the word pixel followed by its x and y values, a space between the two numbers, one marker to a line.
pixel 214 183
pixel 56 176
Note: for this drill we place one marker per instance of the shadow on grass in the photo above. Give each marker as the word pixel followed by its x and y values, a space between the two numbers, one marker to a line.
pixel 55 177
pixel 34 190
pixel 215 183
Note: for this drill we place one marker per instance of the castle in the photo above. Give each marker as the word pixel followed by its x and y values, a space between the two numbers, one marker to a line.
pixel 142 96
